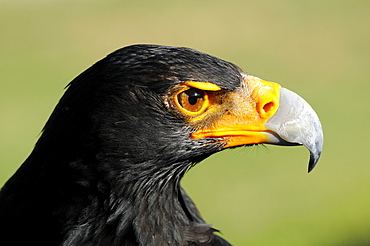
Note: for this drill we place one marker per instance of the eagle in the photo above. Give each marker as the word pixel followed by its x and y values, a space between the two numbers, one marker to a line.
pixel 106 169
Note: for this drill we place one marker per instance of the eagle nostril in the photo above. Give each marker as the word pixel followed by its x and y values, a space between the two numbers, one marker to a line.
pixel 268 107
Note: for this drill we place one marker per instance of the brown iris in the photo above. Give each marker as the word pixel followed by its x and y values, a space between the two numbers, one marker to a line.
pixel 192 100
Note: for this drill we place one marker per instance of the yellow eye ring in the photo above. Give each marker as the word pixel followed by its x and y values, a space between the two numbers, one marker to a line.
pixel 191 101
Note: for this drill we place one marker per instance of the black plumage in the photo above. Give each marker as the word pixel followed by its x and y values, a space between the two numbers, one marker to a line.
pixel 107 167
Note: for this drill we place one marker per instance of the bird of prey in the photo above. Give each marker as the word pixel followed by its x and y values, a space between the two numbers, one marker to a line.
pixel 106 169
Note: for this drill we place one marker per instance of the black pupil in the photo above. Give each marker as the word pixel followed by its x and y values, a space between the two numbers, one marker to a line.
pixel 193 96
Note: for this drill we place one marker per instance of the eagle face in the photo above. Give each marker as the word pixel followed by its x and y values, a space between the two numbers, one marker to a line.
pixel 194 99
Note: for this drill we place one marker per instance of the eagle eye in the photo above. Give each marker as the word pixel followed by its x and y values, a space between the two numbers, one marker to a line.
pixel 191 101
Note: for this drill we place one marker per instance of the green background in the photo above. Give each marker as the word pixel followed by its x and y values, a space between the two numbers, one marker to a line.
pixel 256 196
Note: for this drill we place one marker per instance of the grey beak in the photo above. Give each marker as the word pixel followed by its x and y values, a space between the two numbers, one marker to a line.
pixel 296 123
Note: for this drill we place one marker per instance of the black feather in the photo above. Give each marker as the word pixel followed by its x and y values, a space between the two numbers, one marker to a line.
pixel 107 167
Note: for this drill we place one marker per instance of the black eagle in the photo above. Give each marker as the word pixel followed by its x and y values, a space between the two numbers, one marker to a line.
pixel 107 167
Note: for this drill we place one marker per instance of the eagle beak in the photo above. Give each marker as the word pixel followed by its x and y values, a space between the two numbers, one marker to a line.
pixel 264 112
pixel 295 122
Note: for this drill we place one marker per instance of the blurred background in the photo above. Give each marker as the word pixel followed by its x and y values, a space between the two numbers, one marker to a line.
pixel 255 196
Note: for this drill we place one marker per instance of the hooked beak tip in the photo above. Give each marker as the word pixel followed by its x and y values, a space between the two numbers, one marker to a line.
pixel 296 122
pixel 314 158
